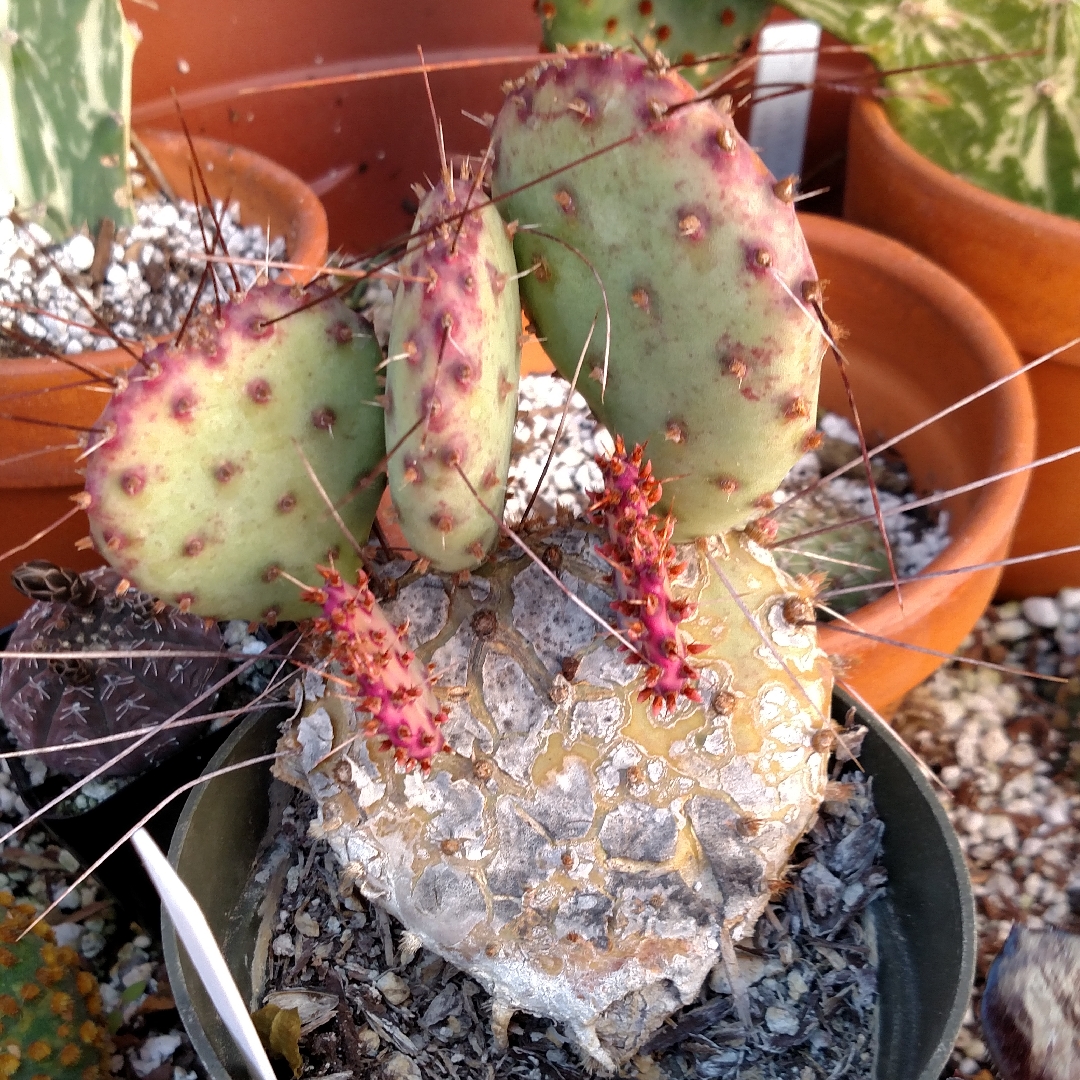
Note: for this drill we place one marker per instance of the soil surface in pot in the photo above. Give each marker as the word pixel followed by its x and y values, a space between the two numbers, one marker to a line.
pixel 139 282
pixel 372 1003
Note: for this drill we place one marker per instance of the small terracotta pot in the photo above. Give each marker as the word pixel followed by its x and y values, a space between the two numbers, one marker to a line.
pixel 918 341
pixel 36 489
pixel 1024 264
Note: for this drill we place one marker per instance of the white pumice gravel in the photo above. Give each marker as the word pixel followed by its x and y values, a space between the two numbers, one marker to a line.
pixel 1006 748
pixel 143 290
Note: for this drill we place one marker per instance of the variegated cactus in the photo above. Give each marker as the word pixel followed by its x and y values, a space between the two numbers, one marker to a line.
pixel 65 111
pixel 1011 126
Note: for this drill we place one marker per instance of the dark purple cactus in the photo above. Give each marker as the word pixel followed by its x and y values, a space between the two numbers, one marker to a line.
pixel 70 700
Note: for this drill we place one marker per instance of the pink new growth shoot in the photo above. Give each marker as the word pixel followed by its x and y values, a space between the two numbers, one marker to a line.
pixel 640 552
pixel 390 683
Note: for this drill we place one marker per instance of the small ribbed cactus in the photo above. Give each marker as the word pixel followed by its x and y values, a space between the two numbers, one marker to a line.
pixel 50 1009
pixel 66 700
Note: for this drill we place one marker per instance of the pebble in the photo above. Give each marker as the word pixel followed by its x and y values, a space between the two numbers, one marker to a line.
pixel 781 1021
pixel 1041 611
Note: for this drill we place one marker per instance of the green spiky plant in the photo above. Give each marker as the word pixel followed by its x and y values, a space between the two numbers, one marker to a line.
pixel 1010 124
pixel 65 111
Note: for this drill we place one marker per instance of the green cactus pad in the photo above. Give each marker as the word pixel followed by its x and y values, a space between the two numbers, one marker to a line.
pixel 1009 126
pixel 714 360
pixel 65 111
pixel 201 497
pixel 683 29
pixel 454 372
pixel 50 1010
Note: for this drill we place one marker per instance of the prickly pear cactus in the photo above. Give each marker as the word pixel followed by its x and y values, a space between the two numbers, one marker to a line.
pixel 50 1010
pixel 68 699
pixel 684 29
pixel 1011 126
pixel 451 394
pixel 65 121
pixel 714 356
pixel 578 853
pixel 199 493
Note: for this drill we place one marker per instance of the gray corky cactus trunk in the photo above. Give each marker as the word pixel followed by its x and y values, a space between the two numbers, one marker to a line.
pixel 65 111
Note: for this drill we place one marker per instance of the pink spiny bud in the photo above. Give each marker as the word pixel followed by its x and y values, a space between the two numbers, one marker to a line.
pixel 640 552
pixel 390 684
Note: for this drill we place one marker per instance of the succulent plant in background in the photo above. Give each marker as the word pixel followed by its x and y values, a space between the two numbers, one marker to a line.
pixel 684 29
pixel 65 111
pixel 50 1009
pixel 67 700
pixel 1009 122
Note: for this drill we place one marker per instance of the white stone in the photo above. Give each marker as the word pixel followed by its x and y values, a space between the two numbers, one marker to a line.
pixel 994 745
pixel 1042 611
pixel 781 1021
pixel 80 250
pixel 1069 599
pixel 1012 629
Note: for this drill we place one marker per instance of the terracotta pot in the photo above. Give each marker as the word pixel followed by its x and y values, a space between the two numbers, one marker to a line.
pixel 359 145
pixel 918 341
pixel 36 490
pixel 1024 264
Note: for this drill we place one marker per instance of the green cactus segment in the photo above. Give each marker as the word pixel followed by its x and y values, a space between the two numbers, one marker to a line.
pixel 714 360
pixel 200 495
pixel 1009 126
pixel 453 376
pixel 50 1009
pixel 683 29
pixel 65 111
pixel 852 555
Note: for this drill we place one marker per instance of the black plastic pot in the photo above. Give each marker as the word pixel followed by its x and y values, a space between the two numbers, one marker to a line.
pixel 925 924
pixel 89 834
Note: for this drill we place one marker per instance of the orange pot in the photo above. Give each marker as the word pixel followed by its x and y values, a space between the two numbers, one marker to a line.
pixel 917 341
pixel 1024 264
pixel 60 401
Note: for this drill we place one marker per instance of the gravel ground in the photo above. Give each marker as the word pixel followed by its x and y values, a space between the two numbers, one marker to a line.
pixel 1007 751
pixel 139 283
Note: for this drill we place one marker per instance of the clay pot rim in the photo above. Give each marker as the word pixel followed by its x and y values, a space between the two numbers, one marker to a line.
pixel 987 528
pixel 312 239
pixel 1030 218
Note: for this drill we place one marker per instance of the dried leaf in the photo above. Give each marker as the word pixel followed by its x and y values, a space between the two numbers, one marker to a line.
pixel 279 1030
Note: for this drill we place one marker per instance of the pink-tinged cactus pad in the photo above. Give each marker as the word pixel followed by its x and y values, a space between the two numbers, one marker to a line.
pixel 451 384
pixel 201 496
pixel 714 356
pixel 382 674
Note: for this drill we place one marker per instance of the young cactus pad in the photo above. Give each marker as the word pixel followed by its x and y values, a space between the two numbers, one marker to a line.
pixel 576 855
pixel 1011 126
pixel 453 376
pixel 50 1010
pixel 199 493
pixel 684 29
pixel 65 111
pixel 714 356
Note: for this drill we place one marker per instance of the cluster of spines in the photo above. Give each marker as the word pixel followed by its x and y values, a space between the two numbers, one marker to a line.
pixel 644 562
pixel 50 1010
pixel 390 683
